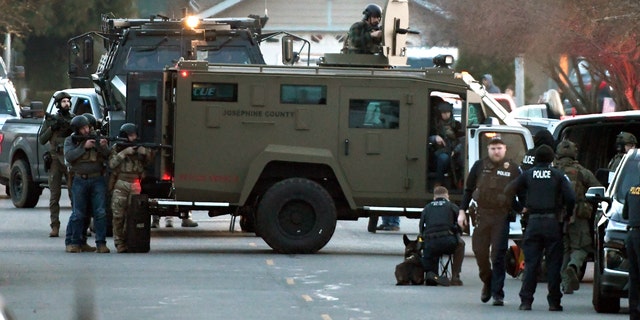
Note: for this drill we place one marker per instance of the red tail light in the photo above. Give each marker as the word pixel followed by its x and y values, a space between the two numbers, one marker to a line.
pixel 184 73
pixel 1 139
pixel 166 176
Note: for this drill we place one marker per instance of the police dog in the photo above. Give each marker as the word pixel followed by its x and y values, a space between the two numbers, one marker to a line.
pixel 410 271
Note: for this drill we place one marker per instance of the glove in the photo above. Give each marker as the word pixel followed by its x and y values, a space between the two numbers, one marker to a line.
pixel 142 151
pixel 128 151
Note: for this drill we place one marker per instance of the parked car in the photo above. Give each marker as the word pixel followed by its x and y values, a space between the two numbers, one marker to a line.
pixel 611 268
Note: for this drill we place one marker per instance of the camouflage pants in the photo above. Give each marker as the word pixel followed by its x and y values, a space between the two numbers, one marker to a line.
pixel 120 201
pixel 56 172
pixel 577 245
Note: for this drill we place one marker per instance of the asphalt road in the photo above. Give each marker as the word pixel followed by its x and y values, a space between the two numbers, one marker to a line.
pixel 210 273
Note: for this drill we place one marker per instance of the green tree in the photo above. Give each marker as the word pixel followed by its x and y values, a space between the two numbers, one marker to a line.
pixel 43 27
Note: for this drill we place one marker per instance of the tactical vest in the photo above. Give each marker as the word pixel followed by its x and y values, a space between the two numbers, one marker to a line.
pixel 90 155
pixel 439 217
pixel 573 171
pixel 491 182
pixel 131 164
pixel 57 137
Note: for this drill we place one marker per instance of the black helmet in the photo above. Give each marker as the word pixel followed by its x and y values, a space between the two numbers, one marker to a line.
pixel 544 154
pixel 445 107
pixel 567 148
pixel 372 10
pixel 59 96
pixel 92 120
pixel 127 129
pixel 78 122
pixel 626 138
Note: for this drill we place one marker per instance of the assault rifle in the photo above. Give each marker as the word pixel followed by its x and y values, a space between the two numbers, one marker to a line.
pixel 56 122
pixel 97 137
pixel 135 144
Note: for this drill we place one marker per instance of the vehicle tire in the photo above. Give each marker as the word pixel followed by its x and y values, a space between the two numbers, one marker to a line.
pixel 296 215
pixel 602 303
pixel 248 223
pixel 24 192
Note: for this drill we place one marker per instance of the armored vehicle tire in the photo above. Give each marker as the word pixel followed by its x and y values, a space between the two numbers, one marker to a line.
pixel 601 303
pixel 296 215
pixel 24 192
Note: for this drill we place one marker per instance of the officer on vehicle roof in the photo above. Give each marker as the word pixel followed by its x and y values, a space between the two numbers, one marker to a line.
pixel 631 211
pixel 365 36
pixel 547 191
pixel 625 141
pixel 577 241
pixel 485 182
pixel 54 130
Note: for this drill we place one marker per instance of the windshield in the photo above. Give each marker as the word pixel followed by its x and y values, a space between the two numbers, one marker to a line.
pixel 234 55
pixel 628 177
pixel 150 58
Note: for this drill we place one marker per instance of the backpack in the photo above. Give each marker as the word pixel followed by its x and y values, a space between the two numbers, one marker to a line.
pixel 573 171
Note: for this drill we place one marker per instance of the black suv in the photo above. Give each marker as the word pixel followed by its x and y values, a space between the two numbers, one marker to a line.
pixel 611 268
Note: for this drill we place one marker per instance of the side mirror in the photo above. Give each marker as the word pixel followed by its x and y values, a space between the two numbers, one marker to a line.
pixel 34 110
pixel 596 195
pixel 288 56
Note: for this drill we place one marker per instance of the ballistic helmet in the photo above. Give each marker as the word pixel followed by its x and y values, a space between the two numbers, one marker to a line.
pixel 626 138
pixel 92 120
pixel 445 107
pixel 78 122
pixel 567 148
pixel 59 96
pixel 372 10
pixel 127 129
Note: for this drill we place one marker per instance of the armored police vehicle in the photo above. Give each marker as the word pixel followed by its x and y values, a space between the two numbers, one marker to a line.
pixel 137 50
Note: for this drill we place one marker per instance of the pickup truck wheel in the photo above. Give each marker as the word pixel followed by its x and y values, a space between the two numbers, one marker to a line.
pixel 24 192
pixel 296 215
pixel 602 303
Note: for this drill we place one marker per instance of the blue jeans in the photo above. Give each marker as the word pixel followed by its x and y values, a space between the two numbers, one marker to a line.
pixel 393 221
pixel 85 191
pixel 443 162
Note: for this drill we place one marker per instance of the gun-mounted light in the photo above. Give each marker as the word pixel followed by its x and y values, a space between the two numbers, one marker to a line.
pixel 443 61
pixel 192 22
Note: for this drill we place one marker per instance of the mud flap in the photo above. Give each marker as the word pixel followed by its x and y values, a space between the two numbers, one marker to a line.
pixel 138 225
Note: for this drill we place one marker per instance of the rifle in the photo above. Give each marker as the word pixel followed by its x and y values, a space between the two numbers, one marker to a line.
pixel 149 145
pixel 58 123
pixel 97 137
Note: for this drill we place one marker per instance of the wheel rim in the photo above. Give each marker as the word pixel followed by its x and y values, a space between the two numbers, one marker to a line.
pixel 17 184
pixel 297 218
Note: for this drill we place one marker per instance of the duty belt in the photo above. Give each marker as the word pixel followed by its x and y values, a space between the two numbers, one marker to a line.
pixel 542 215
pixel 438 234
pixel 87 175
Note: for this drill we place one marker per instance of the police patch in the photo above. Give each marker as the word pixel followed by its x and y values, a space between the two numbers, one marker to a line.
pixel 506 165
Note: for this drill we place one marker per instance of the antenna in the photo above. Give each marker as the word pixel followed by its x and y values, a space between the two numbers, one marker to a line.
pixel 266 11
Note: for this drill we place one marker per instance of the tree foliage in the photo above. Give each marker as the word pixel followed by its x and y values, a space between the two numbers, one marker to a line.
pixel 606 34
pixel 41 29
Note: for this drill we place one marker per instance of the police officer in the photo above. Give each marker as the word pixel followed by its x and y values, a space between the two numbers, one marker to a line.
pixel 541 137
pixel 625 141
pixel 445 137
pixel 127 165
pixel 547 190
pixel 55 129
pixel 441 235
pixel 485 182
pixel 577 241
pixel 631 211
pixel 364 36
pixel 86 158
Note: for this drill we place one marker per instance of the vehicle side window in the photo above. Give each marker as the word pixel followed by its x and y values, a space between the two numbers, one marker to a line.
pixel 6 107
pixel 381 114
pixel 303 94
pixel 210 91
pixel 82 106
